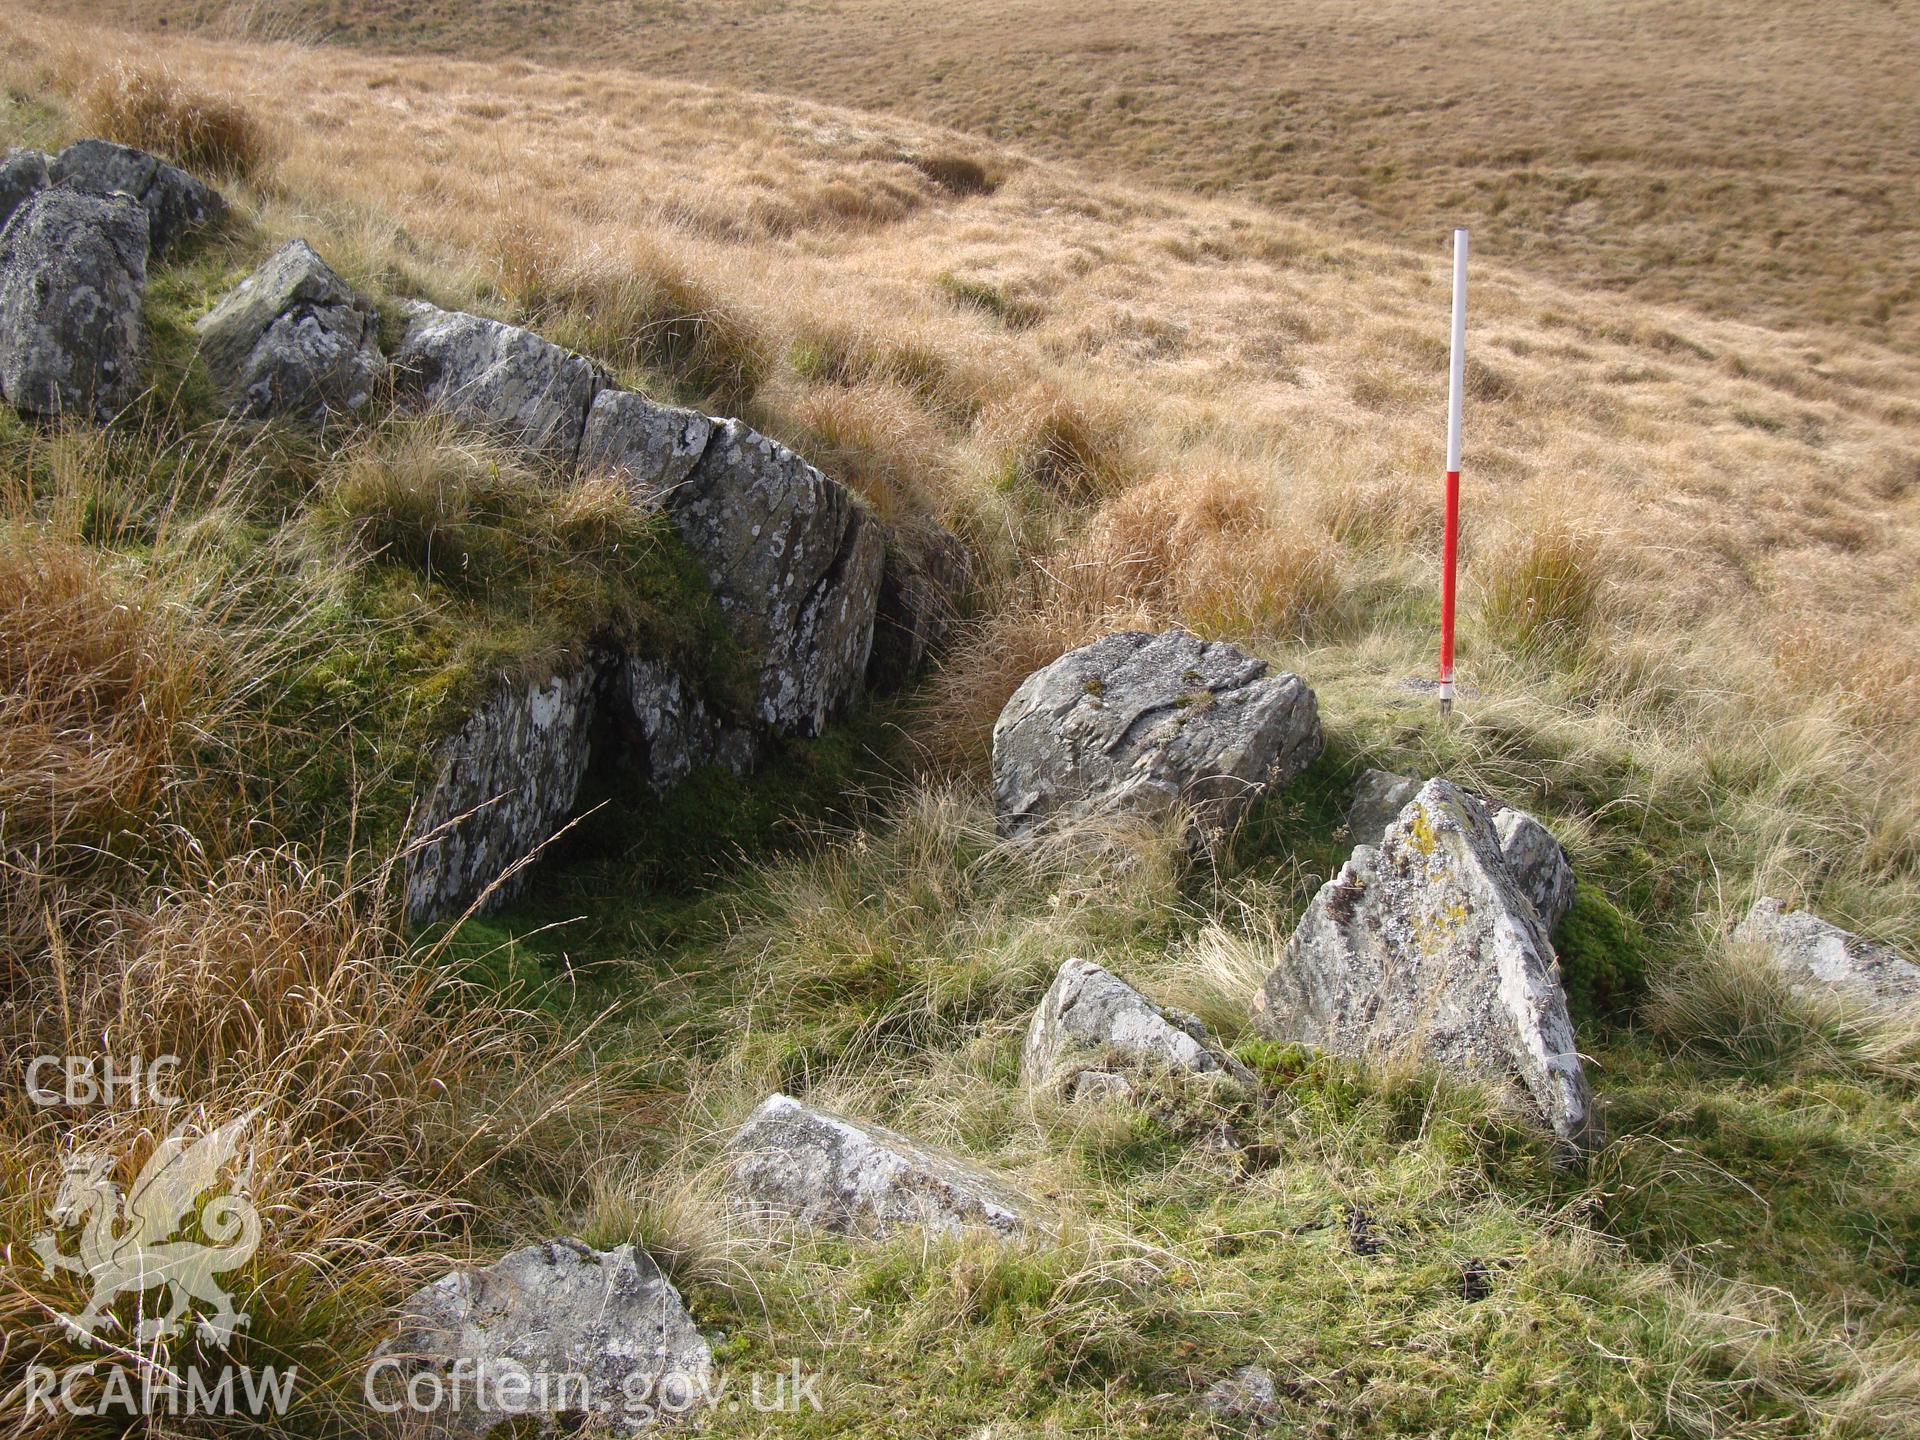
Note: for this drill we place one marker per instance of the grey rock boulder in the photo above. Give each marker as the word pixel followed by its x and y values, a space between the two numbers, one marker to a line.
pixel 1537 859
pixel 73 276
pixel 23 174
pixel 1538 862
pixel 559 1335
pixel 506 781
pixel 1817 956
pixel 791 1161
pixel 651 446
pixel 1426 946
pixel 794 562
pixel 925 586
pixel 1091 1022
pixel 176 203
pixel 1141 724
pixel 500 377
pixel 292 339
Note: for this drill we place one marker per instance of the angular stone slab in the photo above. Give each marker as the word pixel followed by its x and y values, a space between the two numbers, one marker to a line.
pixel 1427 946
pixel 1538 860
pixel 824 1170
pixel 601 1337
pixel 292 339
pixel 517 765
pixel 652 447
pixel 1091 1022
pixel 794 562
pixel 499 376
pixel 73 277
pixel 1816 955
pixel 176 203
pixel 1140 724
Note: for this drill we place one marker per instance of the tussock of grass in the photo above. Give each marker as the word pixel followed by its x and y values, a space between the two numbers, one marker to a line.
pixel 154 110
pixel 1543 594
pixel 1731 1006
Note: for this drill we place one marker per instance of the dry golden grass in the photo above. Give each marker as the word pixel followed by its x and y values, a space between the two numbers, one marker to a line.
pixel 1744 157
pixel 150 109
pixel 1728 483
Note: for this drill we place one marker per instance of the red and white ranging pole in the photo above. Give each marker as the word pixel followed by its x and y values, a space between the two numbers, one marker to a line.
pixel 1450 545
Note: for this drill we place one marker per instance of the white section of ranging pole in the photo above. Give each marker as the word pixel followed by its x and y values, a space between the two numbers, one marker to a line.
pixel 1457 360
pixel 1450 543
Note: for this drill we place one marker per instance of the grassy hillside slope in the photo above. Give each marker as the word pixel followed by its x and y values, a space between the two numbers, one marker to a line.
pixel 1749 158
pixel 1690 630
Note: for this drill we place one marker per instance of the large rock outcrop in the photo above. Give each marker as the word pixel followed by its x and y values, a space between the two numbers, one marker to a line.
pixel 503 378
pixel 506 781
pixel 73 276
pixel 175 202
pixel 794 1162
pixel 1092 1028
pixel 1538 861
pixel 1426 946
pixel 1818 956
pixel 557 1334
pixel 794 561
pixel 292 339
pixel 1143 724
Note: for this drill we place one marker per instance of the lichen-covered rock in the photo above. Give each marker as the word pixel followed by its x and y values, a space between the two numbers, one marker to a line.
pixel 506 782
pixel 652 447
pixel 1537 859
pixel 1092 1022
pixel 1816 955
pixel 175 202
pixel 1141 724
pixel 1427 946
pixel 73 275
pixel 23 174
pixel 669 731
pixel 1538 862
pixel 557 1334
pixel 502 377
pixel 794 562
pixel 292 339
pixel 1378 798
pixel 792 1161
pixel 924 587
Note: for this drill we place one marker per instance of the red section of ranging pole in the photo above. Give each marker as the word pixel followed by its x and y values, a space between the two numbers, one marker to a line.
pixel 1449 556
pixel 1450 544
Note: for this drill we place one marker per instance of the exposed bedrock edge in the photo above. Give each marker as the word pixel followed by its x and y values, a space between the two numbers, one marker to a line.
pixel 790 555
pixel 510 778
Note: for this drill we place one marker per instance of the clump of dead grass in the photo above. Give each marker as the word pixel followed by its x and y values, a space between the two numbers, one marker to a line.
pixel 1542 593
pixel 155 110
